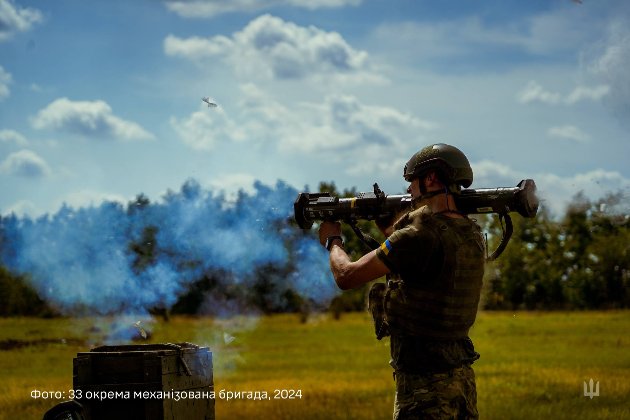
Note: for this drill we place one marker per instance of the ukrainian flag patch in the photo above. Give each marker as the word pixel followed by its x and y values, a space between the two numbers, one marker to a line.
pixel 386 246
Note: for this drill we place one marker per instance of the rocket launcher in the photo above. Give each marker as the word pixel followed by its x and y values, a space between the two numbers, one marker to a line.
pixel 375 205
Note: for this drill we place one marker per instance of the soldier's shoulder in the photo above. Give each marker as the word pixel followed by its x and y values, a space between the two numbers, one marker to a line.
pixel 421 213
pixel 414 217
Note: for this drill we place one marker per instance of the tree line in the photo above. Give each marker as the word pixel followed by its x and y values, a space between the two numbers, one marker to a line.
pixel 578 261
pixel 581 261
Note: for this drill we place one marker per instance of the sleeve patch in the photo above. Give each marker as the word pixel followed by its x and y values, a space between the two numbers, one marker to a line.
pixel 386 247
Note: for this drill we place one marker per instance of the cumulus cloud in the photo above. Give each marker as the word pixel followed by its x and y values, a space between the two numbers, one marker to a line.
pixel 25 163
pixel 232 183
pixel 89 119
pixel 12 136
pixel 5 81
pixel 14 18
pixel 534 92
pixel 366 137
pixel 86 198
pixel 555 191
pixel 583 92
pixel 609 62
pixel 568 132
pixel 203 130
pixel 344 123
pixel 272 48
pixel 210 8
pixel 21 208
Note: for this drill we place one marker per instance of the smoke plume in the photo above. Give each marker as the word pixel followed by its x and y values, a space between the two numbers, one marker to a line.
pixel 128 259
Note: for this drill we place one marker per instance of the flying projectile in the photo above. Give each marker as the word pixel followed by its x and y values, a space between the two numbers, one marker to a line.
pixel 210 104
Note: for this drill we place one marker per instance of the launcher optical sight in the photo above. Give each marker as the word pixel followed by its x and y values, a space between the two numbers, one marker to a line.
pixel 311 207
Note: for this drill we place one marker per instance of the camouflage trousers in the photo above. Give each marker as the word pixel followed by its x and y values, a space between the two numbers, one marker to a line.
pixel 448 395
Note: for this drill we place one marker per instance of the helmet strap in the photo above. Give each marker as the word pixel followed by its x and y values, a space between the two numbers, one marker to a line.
pixel 424 196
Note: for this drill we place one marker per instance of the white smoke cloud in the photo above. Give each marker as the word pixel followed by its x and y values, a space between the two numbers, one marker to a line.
pixel 88 118
pixel 272 48
pixel 210 8
pixel 15 19
pixel 25 163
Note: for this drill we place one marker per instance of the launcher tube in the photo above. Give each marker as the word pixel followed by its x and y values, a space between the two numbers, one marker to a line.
pixel 309 208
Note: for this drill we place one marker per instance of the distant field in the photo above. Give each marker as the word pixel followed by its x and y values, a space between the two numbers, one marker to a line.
pixel 532 366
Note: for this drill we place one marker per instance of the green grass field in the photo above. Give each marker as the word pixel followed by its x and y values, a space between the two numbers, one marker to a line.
pixel 533 365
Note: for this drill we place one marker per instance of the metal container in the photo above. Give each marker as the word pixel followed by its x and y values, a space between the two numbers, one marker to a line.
pixel 145 382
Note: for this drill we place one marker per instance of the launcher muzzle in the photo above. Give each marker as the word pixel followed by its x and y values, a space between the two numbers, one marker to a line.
pixel 311 207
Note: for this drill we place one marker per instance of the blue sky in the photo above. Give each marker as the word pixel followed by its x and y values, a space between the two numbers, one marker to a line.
pixel 102 100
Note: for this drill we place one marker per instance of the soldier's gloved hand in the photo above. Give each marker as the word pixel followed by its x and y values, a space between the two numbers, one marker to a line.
pixel 328 229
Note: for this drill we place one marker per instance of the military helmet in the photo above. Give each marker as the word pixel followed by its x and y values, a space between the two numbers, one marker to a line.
pixel 448 161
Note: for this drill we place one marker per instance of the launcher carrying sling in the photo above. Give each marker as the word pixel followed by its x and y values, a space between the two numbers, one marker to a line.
pixel 311 207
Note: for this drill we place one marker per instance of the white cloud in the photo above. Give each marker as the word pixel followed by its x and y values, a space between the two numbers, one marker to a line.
pixel 609 62
pixel 554 191
pixel 210 8
pixel 271 48
pixel 547 34
pixel 5 81
pixel 534 92
pixel 446 38
pixel 486 172
pixel 557 191
pixel 568 132
pixel 89 119
pixel 21 208
pixel 12 136
pixel 87 198
pixel 369 139
pixel 341 128
pixel 25 163
pixel 232 183
pixel 203 129
pixel 582 92
pixel 16 19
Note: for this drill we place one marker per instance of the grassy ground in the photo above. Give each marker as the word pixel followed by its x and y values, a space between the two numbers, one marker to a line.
pixel 533 365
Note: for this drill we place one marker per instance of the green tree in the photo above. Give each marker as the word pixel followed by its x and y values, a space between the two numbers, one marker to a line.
pixel 18 298
pixel 525 275
pixel 580 261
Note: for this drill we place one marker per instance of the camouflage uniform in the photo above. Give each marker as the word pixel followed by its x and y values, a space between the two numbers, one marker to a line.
pixel 448 395
pixel 428 305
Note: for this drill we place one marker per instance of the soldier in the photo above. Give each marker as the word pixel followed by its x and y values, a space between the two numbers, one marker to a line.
pixel 434 262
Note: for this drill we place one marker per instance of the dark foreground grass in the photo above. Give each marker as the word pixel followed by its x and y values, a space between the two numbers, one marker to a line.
pixel 533 365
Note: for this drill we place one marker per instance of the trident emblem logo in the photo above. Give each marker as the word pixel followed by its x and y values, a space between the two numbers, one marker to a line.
pixel 588 392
